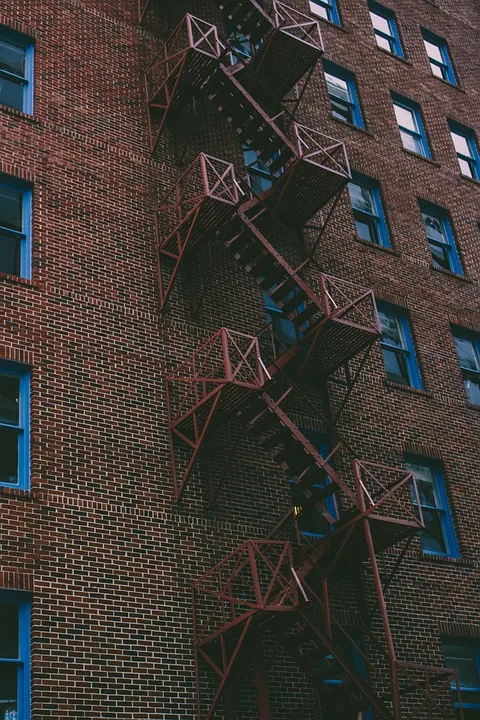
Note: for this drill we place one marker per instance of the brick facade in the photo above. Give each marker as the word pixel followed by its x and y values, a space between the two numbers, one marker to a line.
pixel 107 555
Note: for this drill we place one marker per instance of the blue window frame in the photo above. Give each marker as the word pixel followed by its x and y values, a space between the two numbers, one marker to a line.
pixel 467 345
pixel 342 91
pixel 439 57
pixel 466 146
pixel 368 210
pixel 410 124
pixel 14 425
pixel 463 655
pixel 14 655
pixel 326 9
pixel 16 70
pixel 310 520
pixel 438 536
pixel 440 238
pixel 397 346
pixel 15 227
pixel 386 30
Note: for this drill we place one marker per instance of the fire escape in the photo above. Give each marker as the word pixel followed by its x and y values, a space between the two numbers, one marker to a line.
pixel 287 585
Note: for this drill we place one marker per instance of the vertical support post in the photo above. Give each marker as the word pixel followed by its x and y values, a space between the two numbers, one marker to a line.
pixel 264 710
pixel 226 355
pixel 381 598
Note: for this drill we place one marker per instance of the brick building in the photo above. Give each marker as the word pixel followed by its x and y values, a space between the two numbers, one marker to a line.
pixel 239 359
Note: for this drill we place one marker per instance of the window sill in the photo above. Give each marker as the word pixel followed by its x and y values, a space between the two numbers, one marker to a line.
pixel 445 559
pixel 396 57
pixel 421 157
pixel 407 388
pixel 19 113
pixel 353 126
pixel 331 23
pixel 450 273
pixel 374 246
pixel 449 84
pixel 15 492
pixel 472 406
pixel 469 179
pixel 15 280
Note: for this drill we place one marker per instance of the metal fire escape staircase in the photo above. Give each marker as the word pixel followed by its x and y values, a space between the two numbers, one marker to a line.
pixel 284 584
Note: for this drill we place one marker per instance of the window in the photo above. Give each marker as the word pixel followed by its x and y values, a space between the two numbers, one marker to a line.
pixel 440 238
pixel 466 147
pixel 438 536
pixel 409 120
pixel 397 346
pixel 259 174
pixel 326 9
pixel 463 655
pixel 467 345
pixel 15 227
pixel 385 27
pixel 343 94
pixel 310 521
pixel 367 210
pixel 16 71
pixel 439 57
pixel 14 425
pixel 283 332
pixel 14 656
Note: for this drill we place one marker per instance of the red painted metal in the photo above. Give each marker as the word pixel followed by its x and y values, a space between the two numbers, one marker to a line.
pixel 284 582
pixel 218 376
pixel 201 201
pixel 183 65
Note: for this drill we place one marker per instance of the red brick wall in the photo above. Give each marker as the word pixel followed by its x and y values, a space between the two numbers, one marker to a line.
pixel 107 555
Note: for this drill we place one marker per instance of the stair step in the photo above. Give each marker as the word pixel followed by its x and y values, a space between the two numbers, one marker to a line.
pixel 252 252
pixel 277 274
pixel 237 242
pixel 287 286
pixel 293 303
pixel 276 438
pixel 291 642
pixel 320 494
pixel 264 264
pixel 307 659
pixel 261 426
pixel 293 460
pixel 305 315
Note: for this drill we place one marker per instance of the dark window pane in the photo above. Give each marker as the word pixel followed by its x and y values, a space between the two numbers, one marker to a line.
pixel 432 537
pixel 367 230
pixel 9 399
pixel 9 254
pixel 8 630
pixel 309 519
pixel 391 329
pixel 8 687
pixel 341 110
pixel 11 207
pixel 472 386
pixel 396 366
pixel 8 456
pixel 11 93
pixel 12 58
pixel 440 256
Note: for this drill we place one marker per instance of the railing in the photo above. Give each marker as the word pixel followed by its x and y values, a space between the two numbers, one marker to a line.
pixel 206 177
pixel 226 357
pixel 322 150
pixel 258 576
pixel 297 24
pixel 162 76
